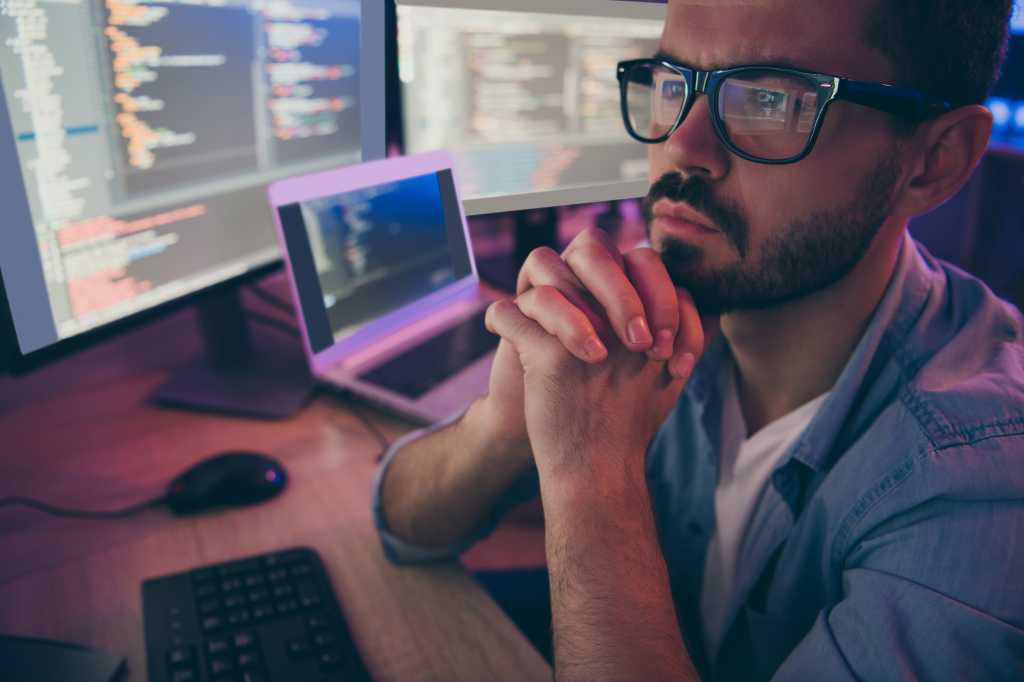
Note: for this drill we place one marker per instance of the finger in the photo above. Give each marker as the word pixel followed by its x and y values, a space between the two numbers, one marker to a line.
pixel 602 272
pixel 506 320
pixel 561 319
pixel 648 274
pixel 544 267
pixel 592 236
pixel 689 339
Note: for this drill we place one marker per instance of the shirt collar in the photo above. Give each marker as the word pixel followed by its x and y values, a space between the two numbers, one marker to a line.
pixel 899 308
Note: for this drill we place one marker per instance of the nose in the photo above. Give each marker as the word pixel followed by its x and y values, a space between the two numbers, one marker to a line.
pixel 694 147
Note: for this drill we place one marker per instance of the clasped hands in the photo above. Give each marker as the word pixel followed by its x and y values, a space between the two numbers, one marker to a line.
pixel 596 348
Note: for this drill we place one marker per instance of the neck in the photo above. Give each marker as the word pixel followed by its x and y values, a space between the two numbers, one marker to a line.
pixel 792 353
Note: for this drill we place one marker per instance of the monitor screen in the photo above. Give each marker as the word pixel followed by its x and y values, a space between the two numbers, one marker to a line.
pixel 523 93
pixel 138 137
pixel 359 255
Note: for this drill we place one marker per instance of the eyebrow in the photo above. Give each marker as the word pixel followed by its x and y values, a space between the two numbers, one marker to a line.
pixel 663 55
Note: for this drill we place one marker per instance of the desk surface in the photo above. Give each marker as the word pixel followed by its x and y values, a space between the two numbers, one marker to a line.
pixel 95 443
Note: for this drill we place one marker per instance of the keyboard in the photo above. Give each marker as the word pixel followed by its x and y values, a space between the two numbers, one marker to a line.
pixel 267 618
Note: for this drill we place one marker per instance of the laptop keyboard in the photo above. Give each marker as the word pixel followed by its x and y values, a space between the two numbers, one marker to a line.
pixel 263 619
pixel 419 369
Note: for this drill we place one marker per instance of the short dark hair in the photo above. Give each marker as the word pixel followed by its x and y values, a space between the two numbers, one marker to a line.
pixel 951 49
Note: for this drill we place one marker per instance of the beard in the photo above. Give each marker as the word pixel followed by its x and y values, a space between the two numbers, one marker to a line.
pixel 806 256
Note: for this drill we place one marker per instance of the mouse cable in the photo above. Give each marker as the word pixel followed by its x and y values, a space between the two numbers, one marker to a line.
pixel 385 444
pixel 271 299
pixel 82 513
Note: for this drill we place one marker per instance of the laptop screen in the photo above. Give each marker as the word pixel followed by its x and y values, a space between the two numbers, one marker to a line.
pixel 359 255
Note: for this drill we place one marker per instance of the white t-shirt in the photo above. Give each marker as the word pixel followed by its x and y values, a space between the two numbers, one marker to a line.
pixel 744 468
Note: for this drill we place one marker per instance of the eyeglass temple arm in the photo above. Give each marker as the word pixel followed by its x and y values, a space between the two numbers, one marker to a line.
pixel 891 98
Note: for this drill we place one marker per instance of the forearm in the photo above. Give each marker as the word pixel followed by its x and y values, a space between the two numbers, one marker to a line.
pixel 612 611
pixel 440 488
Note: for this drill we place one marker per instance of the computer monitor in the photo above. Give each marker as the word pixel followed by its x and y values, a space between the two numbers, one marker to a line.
pixel 137 140
pixel 523 94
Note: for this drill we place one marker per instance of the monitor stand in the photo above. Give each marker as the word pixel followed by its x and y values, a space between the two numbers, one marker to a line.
pixel 263 375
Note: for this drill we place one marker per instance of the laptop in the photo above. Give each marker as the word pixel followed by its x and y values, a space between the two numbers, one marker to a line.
pixel 382 273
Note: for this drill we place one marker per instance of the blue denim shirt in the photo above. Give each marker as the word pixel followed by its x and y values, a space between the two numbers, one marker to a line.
pixel 889 543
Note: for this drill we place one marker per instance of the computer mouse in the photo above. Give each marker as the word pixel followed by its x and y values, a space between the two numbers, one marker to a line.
pixel 225 480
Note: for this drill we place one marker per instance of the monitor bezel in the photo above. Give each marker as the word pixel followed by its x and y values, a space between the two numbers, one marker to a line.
pixel 373 52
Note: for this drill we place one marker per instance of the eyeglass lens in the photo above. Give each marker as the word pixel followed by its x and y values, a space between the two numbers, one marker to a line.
pixel 765 114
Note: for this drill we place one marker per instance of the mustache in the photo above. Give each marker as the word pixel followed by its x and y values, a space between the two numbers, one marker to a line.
pixel 696 192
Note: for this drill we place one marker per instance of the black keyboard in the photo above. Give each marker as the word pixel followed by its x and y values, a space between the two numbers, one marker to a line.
pixel 268 618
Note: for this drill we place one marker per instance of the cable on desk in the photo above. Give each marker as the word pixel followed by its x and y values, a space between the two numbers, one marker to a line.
pixel 271 321
pixel 385 444
pixel 271 299
pixel 81 513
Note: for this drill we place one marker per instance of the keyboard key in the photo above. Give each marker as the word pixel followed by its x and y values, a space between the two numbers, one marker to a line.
pixel 239 617
pixel 277 575
pixel 221 666
pixel 324 639
pixel 211 623
pixel 185 675
pixel 317 622
pixel 208 606
pixel 329 660
pixel 229 584
pixel 217 645
pixel 207 589
pixel 204 575
pixel 234 601
pixel 248 660
pixel 236 567
pixel 244 640
pixel 301 570
pixel 253 676
pixel 263 611
pixel 258 595
pixel 254 580
pixel 283 590
pixel 297 648
pixel 287 605
pixel 180 657
pixel 309 601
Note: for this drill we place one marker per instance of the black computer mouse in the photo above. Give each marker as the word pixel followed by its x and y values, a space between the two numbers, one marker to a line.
pixel 227 479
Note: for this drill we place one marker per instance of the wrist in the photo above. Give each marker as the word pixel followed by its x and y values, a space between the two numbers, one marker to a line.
pixel 486 428
pixel 616 488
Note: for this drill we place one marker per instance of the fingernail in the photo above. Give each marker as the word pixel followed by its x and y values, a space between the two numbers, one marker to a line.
pixel 594 349
pixel 683 365
pixel 663 346
pixel 638 333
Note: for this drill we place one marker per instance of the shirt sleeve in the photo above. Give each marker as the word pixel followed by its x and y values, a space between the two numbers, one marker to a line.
pixel 401 551
pixel 936 594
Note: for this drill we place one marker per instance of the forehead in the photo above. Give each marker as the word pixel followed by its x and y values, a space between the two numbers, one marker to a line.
pixel 818 35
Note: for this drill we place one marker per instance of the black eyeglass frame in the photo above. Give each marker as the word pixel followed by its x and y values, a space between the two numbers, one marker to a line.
pixel 907 103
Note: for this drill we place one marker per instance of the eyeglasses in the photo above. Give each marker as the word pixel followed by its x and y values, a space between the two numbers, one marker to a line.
pixel 765 114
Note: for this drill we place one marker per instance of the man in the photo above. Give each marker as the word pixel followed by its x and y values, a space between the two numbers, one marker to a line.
pixel 838 493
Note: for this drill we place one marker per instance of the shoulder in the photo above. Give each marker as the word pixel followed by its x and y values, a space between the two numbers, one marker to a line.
pixel 963 364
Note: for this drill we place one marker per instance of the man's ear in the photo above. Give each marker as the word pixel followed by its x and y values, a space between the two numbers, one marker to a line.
pixel 948 150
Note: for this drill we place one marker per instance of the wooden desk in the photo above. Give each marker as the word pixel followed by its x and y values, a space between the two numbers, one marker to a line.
pixel 81 435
